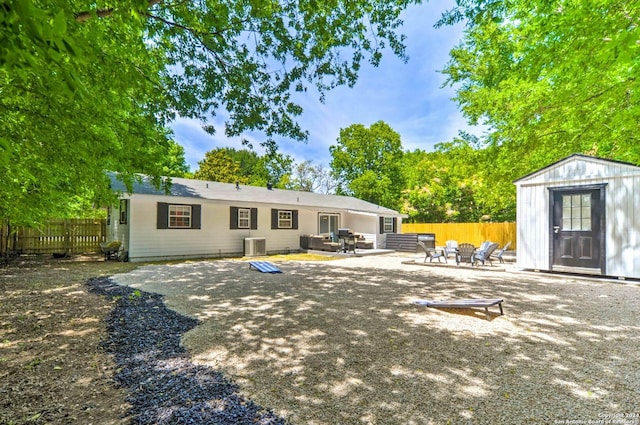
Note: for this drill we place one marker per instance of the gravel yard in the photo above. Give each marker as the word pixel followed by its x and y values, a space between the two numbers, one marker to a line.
pixel 341 342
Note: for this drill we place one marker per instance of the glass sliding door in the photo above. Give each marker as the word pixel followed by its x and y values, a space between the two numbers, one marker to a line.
pixel 328 223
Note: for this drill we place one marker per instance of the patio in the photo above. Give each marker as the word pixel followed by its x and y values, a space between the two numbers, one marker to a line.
pixel 341 341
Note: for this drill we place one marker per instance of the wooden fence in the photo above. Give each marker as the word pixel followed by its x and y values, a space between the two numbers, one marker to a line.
pixel 75 236
pixel 475 233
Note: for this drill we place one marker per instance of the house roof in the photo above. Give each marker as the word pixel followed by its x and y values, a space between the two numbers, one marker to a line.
pixel 575 157
pixel 217 191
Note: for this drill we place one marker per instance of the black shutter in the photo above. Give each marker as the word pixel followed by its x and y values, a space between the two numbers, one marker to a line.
pixel 395 225
pixel 381 225
pixel 274 218
pixel 163 216
pixel 254 218
pixel 196 213
pixel 294 219
pixel 233 219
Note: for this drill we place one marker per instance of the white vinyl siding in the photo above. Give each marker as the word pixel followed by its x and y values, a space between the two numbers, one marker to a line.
pixel 214 238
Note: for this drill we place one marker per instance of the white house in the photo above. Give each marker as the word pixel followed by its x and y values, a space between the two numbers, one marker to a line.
pixel 580 215
pixel 198 219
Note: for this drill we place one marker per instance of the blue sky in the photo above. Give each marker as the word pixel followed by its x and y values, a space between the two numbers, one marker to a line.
pixel 407 96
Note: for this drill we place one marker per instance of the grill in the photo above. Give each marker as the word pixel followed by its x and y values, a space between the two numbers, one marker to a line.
pixel 344 233
pixel 347 240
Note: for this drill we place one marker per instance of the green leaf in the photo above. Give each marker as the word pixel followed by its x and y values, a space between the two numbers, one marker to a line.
pixel 59 24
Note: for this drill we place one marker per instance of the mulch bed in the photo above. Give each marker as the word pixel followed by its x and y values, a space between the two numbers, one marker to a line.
pixel 77 349
pixel 164 386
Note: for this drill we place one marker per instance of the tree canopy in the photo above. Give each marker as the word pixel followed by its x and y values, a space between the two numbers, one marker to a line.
pixel 229 165
pixel 87 88
pixel 367 163
pixel 550 78
pixel 456 183
pixel 310 177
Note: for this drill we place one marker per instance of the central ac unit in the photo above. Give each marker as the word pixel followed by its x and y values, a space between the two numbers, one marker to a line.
pixel 255 246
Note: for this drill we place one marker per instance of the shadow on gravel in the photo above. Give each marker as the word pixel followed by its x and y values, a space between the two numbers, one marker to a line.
pixel 164 386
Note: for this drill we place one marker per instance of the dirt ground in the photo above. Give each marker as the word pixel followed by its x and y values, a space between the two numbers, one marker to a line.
pixel 52 370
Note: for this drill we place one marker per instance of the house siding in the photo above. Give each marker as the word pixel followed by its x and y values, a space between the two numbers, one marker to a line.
pixel 622 211
pixel 216 238
pixel 117 231
pixel 146 237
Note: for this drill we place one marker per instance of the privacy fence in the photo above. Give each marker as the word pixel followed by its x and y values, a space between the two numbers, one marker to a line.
pixel 75 236
pixel 474 233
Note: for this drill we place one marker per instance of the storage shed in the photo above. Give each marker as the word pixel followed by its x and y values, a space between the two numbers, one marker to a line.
pixel 580 215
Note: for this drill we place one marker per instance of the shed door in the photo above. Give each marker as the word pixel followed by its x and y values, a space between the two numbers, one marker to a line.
pixel 578 230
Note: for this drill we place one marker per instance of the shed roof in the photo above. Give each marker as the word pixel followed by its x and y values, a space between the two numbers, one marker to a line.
pixel 577 157
pixel 202 189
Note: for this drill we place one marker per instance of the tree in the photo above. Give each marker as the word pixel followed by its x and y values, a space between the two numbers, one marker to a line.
pixel 230 165
pixel 218 166
pixel 86 90
pixel 77 100
pixel 310 177
pixel 278 169
pixel 367 163
pixel 456 183
pixel 550 78
pixel 442 185
pixel 175 164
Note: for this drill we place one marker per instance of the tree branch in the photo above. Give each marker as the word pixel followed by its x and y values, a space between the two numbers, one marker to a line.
pixel 105 12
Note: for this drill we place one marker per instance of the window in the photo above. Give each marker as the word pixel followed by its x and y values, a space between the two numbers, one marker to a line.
pixel 576 212
pixel 389 225
pixel 285 220
pixel 123 210
pixel 244 218
pixel 179 216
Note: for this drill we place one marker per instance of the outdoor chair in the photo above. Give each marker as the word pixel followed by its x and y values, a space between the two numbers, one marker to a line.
pixel 465 253
pixel 498 254
pixel 431 254
pixel 451 248
pixel 484 245
pixel 483 255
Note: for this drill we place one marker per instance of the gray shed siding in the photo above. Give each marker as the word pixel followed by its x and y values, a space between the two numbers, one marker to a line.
pixel 622 211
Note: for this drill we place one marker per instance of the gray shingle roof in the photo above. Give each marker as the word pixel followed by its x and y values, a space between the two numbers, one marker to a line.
pixel 254 194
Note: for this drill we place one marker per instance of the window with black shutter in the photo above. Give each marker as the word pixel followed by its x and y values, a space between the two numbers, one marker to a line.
pixel 178 216
pixel 284 219
pixel 243 218
pixel 388 225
